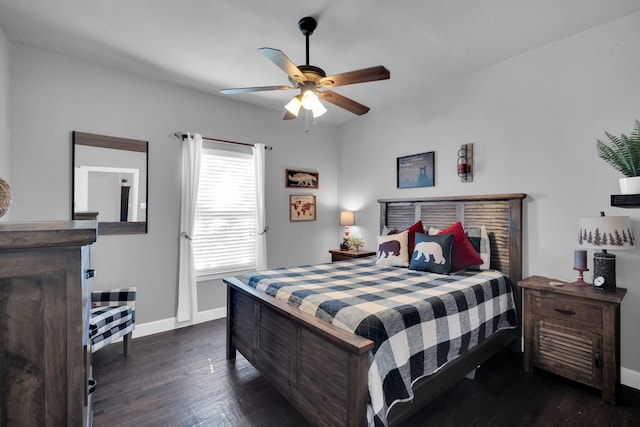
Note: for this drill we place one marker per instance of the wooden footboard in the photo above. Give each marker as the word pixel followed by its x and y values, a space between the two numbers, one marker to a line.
pixel 320 369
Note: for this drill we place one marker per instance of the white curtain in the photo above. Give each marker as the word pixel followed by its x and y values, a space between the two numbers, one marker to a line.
pixel 261 248
pixel 191 155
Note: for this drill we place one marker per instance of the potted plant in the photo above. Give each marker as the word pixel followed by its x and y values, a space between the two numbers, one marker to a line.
pixel 623 154
pixel 355 243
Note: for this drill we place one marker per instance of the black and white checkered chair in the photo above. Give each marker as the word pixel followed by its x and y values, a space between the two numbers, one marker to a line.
pixel 113 315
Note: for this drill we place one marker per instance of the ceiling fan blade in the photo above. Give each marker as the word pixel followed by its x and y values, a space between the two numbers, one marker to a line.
pixel 281 60
pixel 344 102
pixel 357 76
pixel 232 91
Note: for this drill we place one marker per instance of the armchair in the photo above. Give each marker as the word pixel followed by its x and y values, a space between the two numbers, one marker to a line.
pixel 113 315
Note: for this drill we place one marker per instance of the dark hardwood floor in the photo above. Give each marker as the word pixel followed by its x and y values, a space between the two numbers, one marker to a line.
pixel 181 378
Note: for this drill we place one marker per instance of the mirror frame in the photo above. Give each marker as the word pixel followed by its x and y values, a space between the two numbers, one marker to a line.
pixel 103 141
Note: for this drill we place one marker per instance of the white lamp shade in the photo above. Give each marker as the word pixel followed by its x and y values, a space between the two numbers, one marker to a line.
pixel 294 105
pixel 309 99
pixel 318 110
pixel 347 218
pixel 606 232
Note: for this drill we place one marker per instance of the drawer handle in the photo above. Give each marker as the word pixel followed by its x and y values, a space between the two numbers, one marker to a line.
pixel 92 386
pixel 567 312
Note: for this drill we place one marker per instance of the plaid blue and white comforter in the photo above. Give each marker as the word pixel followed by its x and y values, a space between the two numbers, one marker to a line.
pixel 418 321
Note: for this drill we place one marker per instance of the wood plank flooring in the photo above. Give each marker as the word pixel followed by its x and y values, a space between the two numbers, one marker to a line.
pixel 181 378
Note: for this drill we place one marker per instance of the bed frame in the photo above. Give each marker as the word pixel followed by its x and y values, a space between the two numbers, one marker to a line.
pixel 322 370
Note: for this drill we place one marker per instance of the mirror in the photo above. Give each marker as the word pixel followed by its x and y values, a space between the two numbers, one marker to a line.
pixel 110 182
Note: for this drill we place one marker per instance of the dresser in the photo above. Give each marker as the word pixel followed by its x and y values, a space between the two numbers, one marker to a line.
pixel 44 321
pixel 573 331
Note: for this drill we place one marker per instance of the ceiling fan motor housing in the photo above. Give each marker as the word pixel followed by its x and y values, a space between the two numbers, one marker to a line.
pixel 311 72
pixel 307 25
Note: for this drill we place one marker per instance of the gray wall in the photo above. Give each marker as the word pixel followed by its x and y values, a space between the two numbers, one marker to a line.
pixel 534 121
pixel 52 95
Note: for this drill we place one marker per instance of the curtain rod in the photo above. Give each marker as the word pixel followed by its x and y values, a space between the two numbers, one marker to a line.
pixel 183 136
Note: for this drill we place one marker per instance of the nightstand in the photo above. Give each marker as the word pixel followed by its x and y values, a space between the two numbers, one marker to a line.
pixel 573 331
pixel 339 255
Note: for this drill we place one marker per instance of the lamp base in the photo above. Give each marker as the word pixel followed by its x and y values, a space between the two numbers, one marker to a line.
pixel 580 280
pixel 604 271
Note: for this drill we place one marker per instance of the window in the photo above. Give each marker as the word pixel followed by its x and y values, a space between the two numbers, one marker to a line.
pixel 224 239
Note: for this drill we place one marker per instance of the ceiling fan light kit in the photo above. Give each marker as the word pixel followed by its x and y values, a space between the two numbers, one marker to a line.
pixel 309 78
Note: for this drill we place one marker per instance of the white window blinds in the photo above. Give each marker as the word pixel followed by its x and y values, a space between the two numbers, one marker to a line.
pixel 224 239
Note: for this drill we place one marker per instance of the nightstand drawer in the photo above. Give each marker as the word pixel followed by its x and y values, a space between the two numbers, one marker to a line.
pixel 555 307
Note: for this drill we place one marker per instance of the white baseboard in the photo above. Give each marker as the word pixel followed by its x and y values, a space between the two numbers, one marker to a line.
pixel 627 376
pixel 630 378
pixel 172 323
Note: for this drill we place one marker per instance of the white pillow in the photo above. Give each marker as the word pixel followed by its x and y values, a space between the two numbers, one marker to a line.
pixel 393 250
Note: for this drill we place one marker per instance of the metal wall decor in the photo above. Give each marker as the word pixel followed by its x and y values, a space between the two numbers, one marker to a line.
pixel 465 163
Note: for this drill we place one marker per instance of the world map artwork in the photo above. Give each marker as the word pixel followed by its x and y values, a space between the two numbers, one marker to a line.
pixel 302 208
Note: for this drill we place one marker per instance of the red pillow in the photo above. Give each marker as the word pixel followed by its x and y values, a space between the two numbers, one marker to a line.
pixel 463 255
pixel 415 228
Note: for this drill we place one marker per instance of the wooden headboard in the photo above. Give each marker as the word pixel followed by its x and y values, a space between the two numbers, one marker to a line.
pixel 500 213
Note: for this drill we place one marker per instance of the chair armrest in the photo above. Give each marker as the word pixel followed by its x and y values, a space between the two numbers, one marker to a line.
pixel 114 298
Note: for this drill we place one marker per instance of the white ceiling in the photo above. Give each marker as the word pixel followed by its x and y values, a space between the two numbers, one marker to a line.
pixel 212 44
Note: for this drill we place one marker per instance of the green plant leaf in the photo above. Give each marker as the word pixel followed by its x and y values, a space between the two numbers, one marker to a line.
pixel 622 153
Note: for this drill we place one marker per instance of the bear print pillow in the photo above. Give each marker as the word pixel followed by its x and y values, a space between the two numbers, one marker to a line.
pixel 393 250
pixel 432 253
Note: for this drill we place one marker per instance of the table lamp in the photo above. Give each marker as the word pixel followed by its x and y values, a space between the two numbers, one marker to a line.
pixel 347 218
pixel 605 233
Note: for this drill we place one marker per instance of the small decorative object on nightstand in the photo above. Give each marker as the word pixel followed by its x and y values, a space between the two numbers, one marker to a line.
pixel 573 331
pixel 355 243
pixel 347 218
pixel 605 233
pixel 580 265
pixel 341 255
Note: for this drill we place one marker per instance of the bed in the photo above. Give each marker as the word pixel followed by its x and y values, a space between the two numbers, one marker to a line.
pixel 322 369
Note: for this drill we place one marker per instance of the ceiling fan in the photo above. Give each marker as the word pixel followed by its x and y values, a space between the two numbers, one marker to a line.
pixel 309 79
